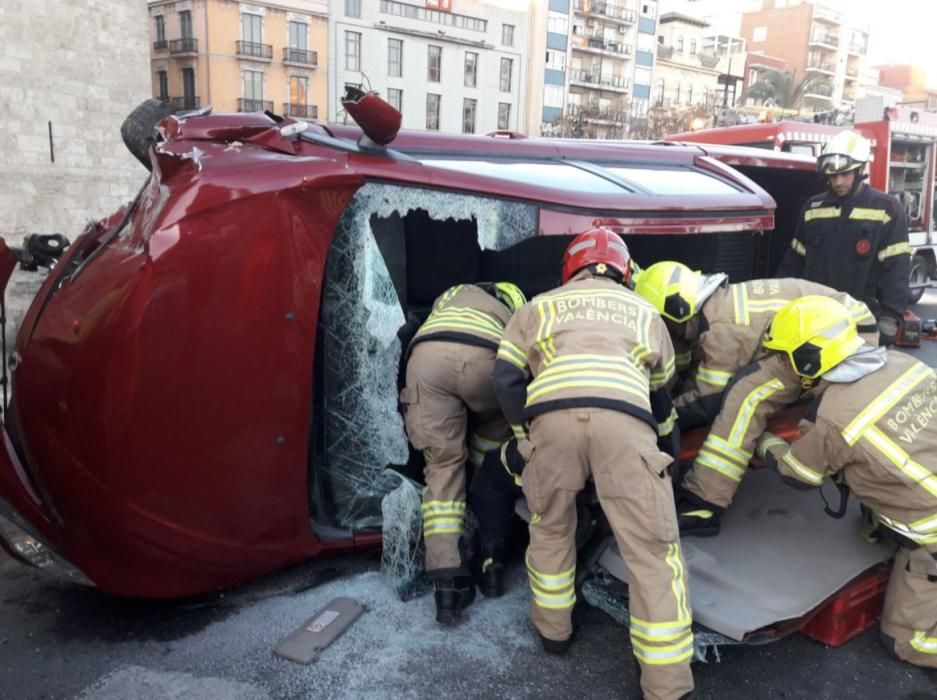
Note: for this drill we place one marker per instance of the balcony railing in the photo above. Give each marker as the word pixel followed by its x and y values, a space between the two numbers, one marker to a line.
pixel 595 113
pixel 248 104
pixel 187 45
pixel 824 38
pixel 822 14
pixel 821 66
pixel 301 111
pixel 606 9
pixel 160 45
pixel 599 80
pixel 251 49
pixel 186 102
pixel 601 44
pixel 300 57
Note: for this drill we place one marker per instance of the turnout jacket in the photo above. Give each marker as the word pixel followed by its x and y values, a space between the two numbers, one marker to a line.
pixel 465 314
pixel 880 433
pixel 590 343
pixel 728 336
pixel 858 245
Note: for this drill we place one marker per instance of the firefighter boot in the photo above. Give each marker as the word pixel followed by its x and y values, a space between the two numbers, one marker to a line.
pixel 696 517
pixel 453 595
pixel 491 573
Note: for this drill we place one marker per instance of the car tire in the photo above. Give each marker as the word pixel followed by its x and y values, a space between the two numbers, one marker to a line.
pixel 919 275
pixel 139 128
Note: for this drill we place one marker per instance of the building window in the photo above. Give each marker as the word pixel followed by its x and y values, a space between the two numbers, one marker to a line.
pixel 557 23
pixel 679 42
pixel 553 95
pixel 299 34
pixel 189 100
pixel 692 45
pixel 395 57
pixel 468 116
pixel 252 28
pixel 352 8
pixel 299 90
pixel 649 10
pixel 160 30
pixel 556 60
pixel 689 94
pixel 507 67
pixel 471 69
pixel 352 50
pixel 185 24
pixel 504 115
pixel 434 64
pixel 162 85
pixel 253 85
pixel 395 99
pixel 659 92
pixel 507 35
pixel 676 93
pixel 432 111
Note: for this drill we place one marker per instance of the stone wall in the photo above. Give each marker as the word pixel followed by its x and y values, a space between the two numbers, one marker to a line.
pixel 81 65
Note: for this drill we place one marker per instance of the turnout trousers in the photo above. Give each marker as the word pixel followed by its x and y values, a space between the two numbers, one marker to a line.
pixel 446 382
pixel 635 490
pixel 910 614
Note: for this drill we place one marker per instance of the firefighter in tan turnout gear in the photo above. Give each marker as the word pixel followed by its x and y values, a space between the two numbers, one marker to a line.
pixel 600 358
pixel 874 426
pixel 449 377
pixel 727 323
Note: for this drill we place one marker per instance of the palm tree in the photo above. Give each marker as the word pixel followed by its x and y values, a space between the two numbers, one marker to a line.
pixel 778 88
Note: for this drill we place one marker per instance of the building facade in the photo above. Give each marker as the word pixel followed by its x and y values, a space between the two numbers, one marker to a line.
pixel 912 82
pixel 815 42
pixel 61 106
pixel 241 57
pixel 447 65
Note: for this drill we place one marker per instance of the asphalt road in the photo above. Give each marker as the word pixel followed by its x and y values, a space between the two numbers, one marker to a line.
pixel 58 640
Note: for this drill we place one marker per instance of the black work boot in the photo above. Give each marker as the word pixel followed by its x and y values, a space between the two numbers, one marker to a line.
pixel 491 572
pixel 453 595
pixel 557 647
pixel 698 522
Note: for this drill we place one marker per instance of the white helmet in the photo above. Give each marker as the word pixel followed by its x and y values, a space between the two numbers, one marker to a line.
pixel 844 152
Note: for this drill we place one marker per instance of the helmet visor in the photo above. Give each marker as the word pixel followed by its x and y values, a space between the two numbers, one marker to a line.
pixel 831 163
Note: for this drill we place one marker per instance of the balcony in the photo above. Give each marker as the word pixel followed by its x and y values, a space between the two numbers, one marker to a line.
pixel 824 39
pixel 182 47
pixel 665 52
pixel 300 57
pixel 599 80
pixel 852 73
pixel 597 44
pixel 300 111
pixel 187 102
pixel 857 48
pixel 253 50
pixel 160 45
pixel 606 9
pixel 594 113
pixel 821 67
pixel 826 15
pixel 249 104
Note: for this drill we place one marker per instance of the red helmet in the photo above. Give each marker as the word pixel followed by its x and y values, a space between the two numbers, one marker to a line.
pixel 598 245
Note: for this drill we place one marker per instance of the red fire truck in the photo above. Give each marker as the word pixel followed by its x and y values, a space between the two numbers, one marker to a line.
pixel 903 163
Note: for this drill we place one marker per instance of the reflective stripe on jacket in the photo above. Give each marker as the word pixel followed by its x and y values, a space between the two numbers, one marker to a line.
pixel 465 314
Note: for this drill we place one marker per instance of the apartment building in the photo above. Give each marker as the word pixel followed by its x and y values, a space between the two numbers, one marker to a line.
pixel 241 57
pixel 814 41
pixel 598 62
pixel 912 82
pixel 448 65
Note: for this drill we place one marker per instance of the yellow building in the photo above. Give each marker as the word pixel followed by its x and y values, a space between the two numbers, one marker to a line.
pixel 241 57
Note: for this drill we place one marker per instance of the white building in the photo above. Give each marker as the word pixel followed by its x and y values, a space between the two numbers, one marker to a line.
pixel 69 74
pixel 446 65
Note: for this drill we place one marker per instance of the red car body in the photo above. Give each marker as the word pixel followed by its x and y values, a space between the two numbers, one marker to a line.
pixel 159 435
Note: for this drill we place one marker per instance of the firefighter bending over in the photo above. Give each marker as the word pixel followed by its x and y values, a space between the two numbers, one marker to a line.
pixel 853 237
pixel 874 427
pixel 449 376
pixel 722 326
pixel 600 359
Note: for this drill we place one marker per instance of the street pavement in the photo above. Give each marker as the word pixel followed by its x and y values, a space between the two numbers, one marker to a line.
pixel 59 640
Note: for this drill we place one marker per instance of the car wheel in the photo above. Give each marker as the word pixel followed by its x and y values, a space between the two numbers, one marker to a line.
pixel 918 275
pixel 139 128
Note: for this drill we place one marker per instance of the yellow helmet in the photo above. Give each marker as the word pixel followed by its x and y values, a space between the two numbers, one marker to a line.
pixel 817 333
pixel 510 294
pixel 672 288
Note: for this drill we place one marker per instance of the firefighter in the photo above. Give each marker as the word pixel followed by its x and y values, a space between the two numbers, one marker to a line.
pixel 449 376
pixel 600 358
pixel 722 326
pixel 854 238
pixel 874 428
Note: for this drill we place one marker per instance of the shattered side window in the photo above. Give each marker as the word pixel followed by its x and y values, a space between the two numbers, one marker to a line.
pixel 360 430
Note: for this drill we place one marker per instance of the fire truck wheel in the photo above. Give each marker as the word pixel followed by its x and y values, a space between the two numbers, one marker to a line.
pixel 919 270
pixel 139 128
